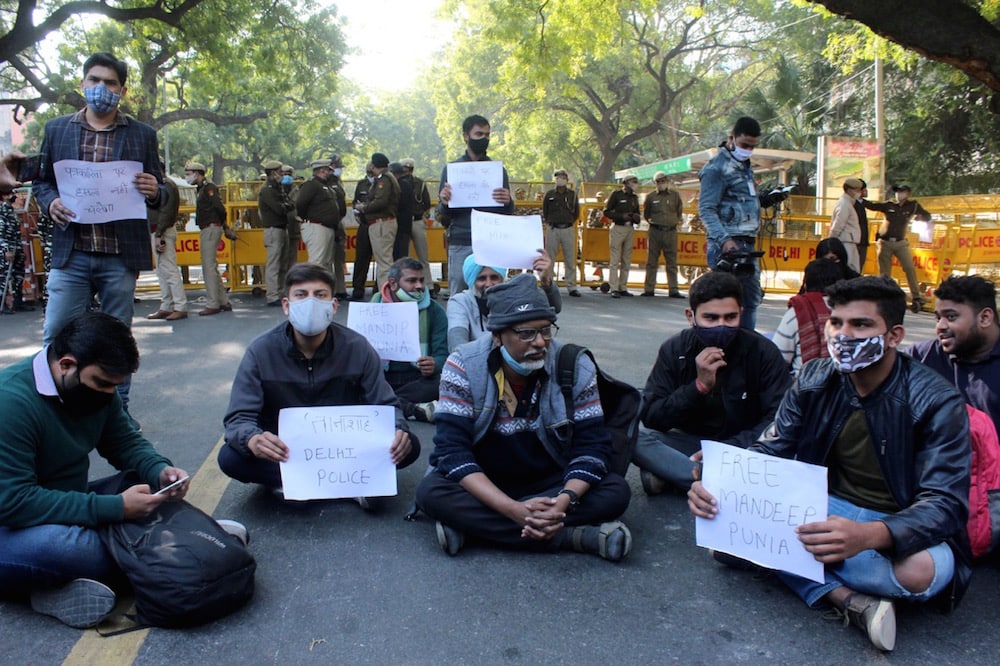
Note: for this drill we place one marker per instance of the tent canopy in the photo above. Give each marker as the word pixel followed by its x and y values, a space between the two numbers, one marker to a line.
pixel 686 167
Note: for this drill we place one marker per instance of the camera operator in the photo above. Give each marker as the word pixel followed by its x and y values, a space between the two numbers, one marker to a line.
pixel 729 206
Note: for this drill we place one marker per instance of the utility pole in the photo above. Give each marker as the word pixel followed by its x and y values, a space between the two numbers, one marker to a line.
pixel 880 118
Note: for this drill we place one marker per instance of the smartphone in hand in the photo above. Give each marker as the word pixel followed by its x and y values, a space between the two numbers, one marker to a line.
pixel 167 488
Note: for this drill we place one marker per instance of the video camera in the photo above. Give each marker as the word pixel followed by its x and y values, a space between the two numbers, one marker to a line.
pixel 738 262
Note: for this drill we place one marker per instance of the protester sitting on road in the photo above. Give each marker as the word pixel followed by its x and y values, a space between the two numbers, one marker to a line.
pixel 307 361
pixel 967 349
pixel 714 380
pixel 833 249
pixel 894 436
pixel 467 310
pixel 56 407
pixel 416 384
pixel 800 336
pixel 500 472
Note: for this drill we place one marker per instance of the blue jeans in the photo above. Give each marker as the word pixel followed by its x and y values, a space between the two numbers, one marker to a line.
pixel 750 281
pixel 869 571
pixel 667 455
pixel 51 555
pixel 72 286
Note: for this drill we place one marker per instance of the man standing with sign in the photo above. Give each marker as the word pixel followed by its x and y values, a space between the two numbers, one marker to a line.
pixel 105 258
pixel 501 472
pixel 416 384
pixel 307 361
pixel 458 221
pixel 894 436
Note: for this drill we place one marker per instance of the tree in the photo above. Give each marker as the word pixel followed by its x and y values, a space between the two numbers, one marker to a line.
pixel 962 33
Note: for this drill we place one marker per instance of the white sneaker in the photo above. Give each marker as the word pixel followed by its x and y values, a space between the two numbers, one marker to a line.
pixel 875 616
pixel 238 530
pixel 424 411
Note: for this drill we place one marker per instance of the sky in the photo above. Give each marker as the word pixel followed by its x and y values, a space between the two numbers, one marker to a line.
pixel 397 39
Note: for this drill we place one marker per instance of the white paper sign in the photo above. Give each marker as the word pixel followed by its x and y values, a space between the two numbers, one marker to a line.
pixel 472 183
pixel 511 241
pixel 338 451
pixel 393 329
pixel 100 192
pixel 762 499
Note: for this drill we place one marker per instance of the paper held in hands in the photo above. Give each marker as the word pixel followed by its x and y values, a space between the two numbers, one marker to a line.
pixel 762 499
pixel 393 329
pixel 100 192
pixel 511 241
pixel 337 452
pixel 472 183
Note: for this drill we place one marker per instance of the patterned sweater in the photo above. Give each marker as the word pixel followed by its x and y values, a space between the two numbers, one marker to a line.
pixel 472 412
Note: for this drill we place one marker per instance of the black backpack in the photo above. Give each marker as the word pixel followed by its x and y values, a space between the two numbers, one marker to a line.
pixel 184 568
pixel 620 401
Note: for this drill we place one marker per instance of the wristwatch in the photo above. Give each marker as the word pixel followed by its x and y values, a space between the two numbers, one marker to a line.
pixel 574 499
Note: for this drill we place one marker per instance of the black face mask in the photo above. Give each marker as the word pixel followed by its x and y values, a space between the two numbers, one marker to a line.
pixel 83 399
pixel 479 146
pixel 716 336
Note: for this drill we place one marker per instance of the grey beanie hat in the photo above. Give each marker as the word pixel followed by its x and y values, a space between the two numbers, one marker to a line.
pixel 516 300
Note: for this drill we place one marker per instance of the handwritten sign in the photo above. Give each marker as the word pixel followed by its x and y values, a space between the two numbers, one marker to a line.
pixel 391 328
pixel 472 183
pixel 506 240
pixel 762 499
pixel 100 192
pixel 337 452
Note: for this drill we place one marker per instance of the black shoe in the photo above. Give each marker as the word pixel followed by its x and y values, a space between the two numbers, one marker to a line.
pixel 274 304
pixel 575 293
pixel 616 294
pixel 647 294
pixel 81 603
pixel 341 296
pixel 357 298
pixel 676 294
pixel 626 294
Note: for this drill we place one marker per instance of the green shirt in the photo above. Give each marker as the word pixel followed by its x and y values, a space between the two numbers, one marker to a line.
pixel 45 448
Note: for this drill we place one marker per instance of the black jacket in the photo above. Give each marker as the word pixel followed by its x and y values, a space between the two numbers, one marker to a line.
pixel 918 424
pixel 742 403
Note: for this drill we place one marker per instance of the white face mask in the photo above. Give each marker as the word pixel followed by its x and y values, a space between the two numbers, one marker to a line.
pixel 310 316
pixel 742 154
pixel 190 178
pixel 337 172
pixel 561 182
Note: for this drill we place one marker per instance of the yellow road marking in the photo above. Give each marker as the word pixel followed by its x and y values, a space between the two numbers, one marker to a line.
pixel 206 489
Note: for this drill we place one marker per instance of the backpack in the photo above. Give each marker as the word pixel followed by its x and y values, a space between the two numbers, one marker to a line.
pixel 984 487
pixel 620 402
pixel 184 568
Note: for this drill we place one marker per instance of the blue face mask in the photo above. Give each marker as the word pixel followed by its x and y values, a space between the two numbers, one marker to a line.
pixel 519 368
pixel 716 336
pixel 100 99
pixel 286 180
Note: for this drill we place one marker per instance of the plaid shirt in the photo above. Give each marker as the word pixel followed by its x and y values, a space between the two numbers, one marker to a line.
pixel 96 145
pixel 66 138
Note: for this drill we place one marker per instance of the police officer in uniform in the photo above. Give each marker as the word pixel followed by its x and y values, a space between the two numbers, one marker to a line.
pixel 662 209
pixel 210 216
pixel 560 208
pixel 273 205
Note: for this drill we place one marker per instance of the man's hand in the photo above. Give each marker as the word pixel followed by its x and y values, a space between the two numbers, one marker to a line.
pixel 501 195
pixel 701 502
pixel 60 214
pixel 229 233
pixel 708 363
pixel 10 165
pixel 140 502
pixel 267 446
pixel 542 265
pixel 147 185
pixel 426 365
pixel 445 193
pixel 401 446
pixel 170 474
pixel 540 517
pixel 837 538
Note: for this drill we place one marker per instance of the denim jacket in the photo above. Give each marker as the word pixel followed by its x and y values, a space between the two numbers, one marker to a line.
pixel 728 204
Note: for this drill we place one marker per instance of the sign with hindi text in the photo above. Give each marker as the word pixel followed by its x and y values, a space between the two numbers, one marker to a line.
pixel 761 500
pixel 338 452
pixel 100 192
pixel 472 183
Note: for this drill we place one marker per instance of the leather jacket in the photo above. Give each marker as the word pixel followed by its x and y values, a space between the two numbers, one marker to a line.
pixel 920 429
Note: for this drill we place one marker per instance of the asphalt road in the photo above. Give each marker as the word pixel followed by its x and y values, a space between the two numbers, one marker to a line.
pixel 337 585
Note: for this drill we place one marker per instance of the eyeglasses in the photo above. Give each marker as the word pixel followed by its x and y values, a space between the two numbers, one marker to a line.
pixel 661 180
pixel 529 334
